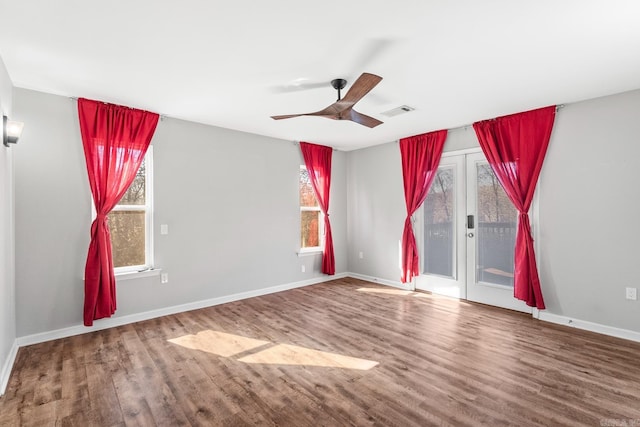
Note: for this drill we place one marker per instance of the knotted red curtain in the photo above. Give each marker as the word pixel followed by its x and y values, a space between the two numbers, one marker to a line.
pixel 515 146
pixel 115 140
pixel 420 158
pixel 317 159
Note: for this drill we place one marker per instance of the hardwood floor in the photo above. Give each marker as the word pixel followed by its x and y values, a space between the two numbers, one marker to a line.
pixel 346 352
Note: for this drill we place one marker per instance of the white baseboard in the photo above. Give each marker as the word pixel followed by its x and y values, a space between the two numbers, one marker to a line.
pixel 589 326
pixel 7 367
pixel 395 284
pixel 152 314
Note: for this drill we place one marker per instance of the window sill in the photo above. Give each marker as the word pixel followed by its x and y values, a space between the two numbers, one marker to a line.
pixel 129 275
pixel 309 252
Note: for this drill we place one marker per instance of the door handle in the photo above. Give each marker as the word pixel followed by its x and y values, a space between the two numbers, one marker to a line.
pixel 470 222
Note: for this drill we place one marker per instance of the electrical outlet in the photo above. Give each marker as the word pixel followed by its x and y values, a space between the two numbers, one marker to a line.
pixel 361 255
pixel 164 278
pixel 303 268
pixel 164 229
pixel 632 294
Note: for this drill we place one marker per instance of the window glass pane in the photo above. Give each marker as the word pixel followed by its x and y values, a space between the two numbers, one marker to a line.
pixel 439 215
pixel 310 223
pixel 127 237
pixel 135 195
pixel 496 231
pixel 307 196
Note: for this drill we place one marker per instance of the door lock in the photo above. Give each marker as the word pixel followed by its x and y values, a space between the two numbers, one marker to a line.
pixel 469 234
pixel 470 221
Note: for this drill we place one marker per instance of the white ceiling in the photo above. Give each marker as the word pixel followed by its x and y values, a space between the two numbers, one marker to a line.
pixel 236 63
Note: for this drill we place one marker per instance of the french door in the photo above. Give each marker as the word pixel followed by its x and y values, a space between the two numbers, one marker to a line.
pixel 468 230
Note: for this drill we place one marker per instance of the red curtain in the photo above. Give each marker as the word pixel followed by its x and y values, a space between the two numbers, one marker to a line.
pixel 515 146
pixel 420 158
pixel 317 159
pixel 115 140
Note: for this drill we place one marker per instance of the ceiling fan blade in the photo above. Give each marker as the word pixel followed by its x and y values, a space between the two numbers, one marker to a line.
pixel 286 116
pixel 360 88
pixel 332 112
pixel 345 114
pixel 297 87
pixel 363 119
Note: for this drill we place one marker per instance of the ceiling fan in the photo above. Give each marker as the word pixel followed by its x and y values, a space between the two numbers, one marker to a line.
pixel 342 109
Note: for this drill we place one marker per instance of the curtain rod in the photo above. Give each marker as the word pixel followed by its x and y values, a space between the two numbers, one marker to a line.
pixel 163 117
pixel 465 127
pixel 296 143
pixel 558 108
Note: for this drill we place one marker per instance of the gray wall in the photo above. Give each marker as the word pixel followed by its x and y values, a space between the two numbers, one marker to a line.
pixel 588 203
pixel 52 210
pixel 377 208
pixel 7 282
pixel 376 211
pixel 230 200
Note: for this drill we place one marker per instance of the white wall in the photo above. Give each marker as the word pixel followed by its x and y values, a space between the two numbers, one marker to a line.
pixel 586 220
pixel 230 200
pixel 7 281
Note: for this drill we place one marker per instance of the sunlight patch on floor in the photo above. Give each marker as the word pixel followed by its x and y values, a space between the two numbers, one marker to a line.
pixel 218 343
pixel 449 300
pixel 253 351
pixel 443 299
pixel 285 354
pixel 385 291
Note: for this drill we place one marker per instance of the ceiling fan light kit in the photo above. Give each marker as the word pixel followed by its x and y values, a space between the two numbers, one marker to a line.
pixel 342 109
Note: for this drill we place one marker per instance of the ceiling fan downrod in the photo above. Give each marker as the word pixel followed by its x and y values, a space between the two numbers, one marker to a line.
pixel 337 85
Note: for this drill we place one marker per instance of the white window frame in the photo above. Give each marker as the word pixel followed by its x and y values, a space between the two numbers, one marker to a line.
pixel 321 233
pixel 148 209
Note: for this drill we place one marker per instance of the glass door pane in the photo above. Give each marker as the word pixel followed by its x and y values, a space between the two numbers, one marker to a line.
pixel 439 225
pixel 491 239
pixel 441 232
pixel 496 229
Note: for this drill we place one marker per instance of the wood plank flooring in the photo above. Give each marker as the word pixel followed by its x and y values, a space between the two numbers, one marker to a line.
pixel 346 352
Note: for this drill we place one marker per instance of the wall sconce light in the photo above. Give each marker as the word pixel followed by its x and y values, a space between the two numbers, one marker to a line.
pixel 11 131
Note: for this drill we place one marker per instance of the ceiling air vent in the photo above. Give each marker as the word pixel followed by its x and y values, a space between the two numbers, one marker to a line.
pixel 397 111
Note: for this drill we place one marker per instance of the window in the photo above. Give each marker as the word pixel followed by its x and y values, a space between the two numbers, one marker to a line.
pixel 130 223
pixel 311 217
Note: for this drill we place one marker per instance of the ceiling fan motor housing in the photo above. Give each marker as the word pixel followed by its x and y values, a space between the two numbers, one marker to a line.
pixel 338 83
